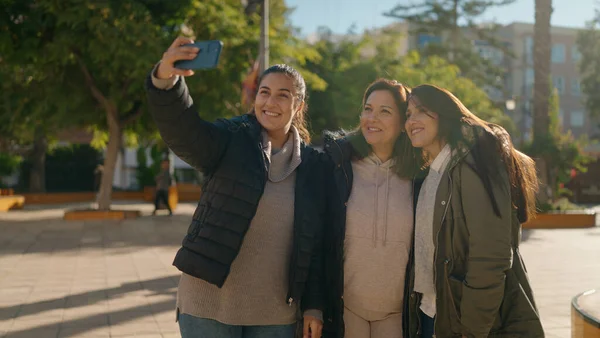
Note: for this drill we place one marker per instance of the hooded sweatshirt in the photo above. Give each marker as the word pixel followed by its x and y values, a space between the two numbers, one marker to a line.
pixel 379 229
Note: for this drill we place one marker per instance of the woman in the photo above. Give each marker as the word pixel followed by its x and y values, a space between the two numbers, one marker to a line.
pixel 468 278
pixel 371 218
pixel 252 253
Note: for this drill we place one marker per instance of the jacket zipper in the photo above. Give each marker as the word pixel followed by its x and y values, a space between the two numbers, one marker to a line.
pixel 343 169
pixel 292 272
pixel 437 235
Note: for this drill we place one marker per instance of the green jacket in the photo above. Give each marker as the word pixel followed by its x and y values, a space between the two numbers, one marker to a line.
pixel 481 282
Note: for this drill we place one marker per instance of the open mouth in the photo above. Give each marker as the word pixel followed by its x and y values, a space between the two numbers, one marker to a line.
pixel 271 114
pixel 373 130
pixel 416 131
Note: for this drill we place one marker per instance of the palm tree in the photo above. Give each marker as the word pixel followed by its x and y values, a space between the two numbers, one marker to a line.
pixel 541 88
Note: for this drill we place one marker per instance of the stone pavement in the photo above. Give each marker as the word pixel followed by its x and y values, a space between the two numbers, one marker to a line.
pixel 115 279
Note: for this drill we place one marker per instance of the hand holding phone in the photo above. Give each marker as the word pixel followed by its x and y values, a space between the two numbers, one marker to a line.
pixel 208 55
pixel 184 50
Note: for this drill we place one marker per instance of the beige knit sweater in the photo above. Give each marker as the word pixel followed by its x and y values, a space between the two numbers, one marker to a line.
pixel 379 223
pixel 255 291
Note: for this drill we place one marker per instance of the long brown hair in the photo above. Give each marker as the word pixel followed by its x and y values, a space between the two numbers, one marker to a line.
pixel 462 129
pixel 403 153
pixel 299 120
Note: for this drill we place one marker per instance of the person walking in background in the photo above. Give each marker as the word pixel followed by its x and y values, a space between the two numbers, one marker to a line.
pixel 164 181
pixel 370 224
pixel 252 256
pixel 468 278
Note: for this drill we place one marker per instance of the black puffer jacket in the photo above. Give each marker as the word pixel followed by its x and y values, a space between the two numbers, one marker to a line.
pixel 338 147
pixel 230 153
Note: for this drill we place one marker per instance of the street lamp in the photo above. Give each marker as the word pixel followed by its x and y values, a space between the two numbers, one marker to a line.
pixel 510 104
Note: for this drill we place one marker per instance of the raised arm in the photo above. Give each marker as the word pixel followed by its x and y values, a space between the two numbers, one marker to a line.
pixel 196 141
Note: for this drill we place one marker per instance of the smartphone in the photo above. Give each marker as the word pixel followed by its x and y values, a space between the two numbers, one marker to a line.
pixel 208 55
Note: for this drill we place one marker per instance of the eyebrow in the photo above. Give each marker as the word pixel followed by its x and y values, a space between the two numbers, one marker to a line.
pixel 283 89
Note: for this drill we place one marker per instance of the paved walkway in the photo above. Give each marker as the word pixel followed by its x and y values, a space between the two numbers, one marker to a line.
pixel 115 279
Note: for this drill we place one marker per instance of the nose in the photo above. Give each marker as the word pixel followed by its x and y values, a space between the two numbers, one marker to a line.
pixel 270 101
pixel 370 116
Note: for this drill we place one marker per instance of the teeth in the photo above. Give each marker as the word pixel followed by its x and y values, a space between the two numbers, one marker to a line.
pixel 414 131
pixel 268 113
pixel 374 129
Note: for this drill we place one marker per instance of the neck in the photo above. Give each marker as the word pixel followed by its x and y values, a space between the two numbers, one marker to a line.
pixel 278 138
pixel 384 153
pixel 434 150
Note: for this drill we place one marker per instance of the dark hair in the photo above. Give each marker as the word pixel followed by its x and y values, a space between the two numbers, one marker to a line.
pixel 299 120
pixel 403 150
pixel 463 130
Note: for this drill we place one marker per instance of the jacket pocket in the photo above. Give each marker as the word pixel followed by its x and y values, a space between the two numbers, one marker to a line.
pixel 516 307
pixel 454 289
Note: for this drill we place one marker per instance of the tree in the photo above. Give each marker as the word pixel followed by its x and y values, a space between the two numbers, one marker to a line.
pixel 218 92
pixel 349 65
pixel 100 53
pixel 90 60
pixel 588 44
pixel 455 24
pixel 561 151
pixel 541 91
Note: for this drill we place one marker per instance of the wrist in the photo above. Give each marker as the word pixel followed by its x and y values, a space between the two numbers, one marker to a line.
pixel 160 72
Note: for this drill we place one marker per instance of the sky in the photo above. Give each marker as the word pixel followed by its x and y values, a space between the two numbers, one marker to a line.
pixel 339 15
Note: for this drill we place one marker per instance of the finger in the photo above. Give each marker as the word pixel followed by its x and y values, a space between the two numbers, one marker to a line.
pixel 315 328
pixel 183 72
pixel 319 331
pixel 306 328
pixel 181 40
pixel 188 49
pixel 173 56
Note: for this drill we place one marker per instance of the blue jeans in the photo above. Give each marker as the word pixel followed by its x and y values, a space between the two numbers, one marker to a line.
pixel 427 325
pixel 194 327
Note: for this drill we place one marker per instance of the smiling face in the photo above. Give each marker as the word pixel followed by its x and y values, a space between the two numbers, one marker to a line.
pixel 422 126
pixel 381 121
pixel 276 103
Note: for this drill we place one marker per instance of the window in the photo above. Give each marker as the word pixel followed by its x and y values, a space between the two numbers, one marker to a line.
pixel 558 53
pixel 529 77
pixel 559 84
pixel 577 118
pixel 575 54
pixel 529 50
pixel 575 87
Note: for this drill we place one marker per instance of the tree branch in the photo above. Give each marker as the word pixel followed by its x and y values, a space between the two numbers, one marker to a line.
pixel 132 114
pixel 96 92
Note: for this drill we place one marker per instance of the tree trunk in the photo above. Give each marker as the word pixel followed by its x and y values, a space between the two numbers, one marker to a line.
pixel 37 176
pixel 541 91
pixel 115 134
pixel 541 64
pixel 455 33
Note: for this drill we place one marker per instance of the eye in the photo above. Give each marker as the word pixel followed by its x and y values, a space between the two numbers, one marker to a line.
pixel 284 95
pixel 263 92
pixel 386 112
pixel 367 109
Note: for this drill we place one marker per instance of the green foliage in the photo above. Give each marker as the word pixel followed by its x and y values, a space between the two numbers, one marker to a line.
pixel 561 151
pixel 349 65
pixel 456 23
pixel 218 92
pixel 588 44
pixel 9 163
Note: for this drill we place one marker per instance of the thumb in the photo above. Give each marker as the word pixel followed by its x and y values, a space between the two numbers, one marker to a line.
pixel 306 327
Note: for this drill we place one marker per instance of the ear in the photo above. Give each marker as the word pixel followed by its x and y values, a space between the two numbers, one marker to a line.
pixel 300 108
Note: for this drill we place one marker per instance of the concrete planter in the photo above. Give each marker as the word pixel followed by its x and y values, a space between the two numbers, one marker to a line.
pixel 585 315
pixel 562 220
pixel 91 215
